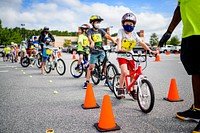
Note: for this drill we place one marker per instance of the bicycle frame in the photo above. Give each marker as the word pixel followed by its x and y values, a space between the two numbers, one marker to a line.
pixel 135 74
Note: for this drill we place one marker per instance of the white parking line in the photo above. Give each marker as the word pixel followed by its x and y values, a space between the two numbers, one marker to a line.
pixel 7 66
pixel 5 71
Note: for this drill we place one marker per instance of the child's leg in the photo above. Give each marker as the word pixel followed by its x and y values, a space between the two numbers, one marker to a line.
pixel 80 59
pixel 124 71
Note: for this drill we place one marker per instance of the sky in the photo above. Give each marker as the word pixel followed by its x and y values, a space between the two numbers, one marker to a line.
pixel 153 16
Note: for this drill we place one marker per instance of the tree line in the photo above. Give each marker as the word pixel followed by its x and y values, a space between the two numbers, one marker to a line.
pixel 17 34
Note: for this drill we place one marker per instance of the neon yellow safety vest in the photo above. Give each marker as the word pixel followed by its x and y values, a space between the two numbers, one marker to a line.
pixel 190 12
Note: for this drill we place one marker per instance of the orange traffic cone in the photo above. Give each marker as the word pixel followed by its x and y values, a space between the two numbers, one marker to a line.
pixel 106 121
pixel 157 57
pixel 90 101
pixel 173 92
pixel 167 53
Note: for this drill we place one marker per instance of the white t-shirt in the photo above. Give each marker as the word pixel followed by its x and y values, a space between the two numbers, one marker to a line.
pixel 128 42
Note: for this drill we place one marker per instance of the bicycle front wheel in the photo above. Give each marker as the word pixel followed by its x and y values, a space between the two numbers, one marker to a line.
pixel 39 60
pixel 74 70
pixel 47 67
pixel 60 67
pixel 95 75
pixel 111 71
pixel 145 96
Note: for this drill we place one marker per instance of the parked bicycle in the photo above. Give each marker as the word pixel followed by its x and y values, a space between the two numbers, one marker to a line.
pixel 145 92
pixel 98 73
pixel 55 62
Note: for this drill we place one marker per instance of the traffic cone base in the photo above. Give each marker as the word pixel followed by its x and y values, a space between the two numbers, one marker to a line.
pixel 90 102
pixel 106 130
pixel 180 100
pixel 173 92
pixel 97 106
pixel 106 120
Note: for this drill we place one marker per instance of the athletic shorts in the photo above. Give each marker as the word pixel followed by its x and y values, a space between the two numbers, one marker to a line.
pixel 130 63
pixel 190 48
pixel 44 59
pixel 84 54
pixel 94 57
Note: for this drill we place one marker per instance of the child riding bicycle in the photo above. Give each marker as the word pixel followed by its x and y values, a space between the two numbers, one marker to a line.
pixel 127 38
pixel 46 52
pixel 6 52
pixel 95 36
pixel 83 45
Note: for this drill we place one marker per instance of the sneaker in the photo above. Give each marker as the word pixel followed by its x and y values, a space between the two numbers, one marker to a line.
pixel 77 68
pixel 85 85
pixel 133 94
pixel 197 129
pixel 191 114
pixel 105 83
pixel 120 91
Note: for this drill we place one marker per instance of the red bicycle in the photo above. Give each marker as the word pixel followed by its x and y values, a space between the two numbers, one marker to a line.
pixel 145 92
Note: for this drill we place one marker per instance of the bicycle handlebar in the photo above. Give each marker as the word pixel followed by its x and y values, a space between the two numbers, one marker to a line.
pixel 141 57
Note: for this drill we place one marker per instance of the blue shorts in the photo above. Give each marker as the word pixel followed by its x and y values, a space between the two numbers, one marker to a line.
pixel 94 57
pixel 190 54
pixel 44 59
pixel 7 55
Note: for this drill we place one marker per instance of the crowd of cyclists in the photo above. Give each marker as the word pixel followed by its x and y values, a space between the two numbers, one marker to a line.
pixel 90 42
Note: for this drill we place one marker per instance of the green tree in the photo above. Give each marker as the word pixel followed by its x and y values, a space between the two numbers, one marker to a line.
pixel 67 43
pixel 154 40
pixel 174 41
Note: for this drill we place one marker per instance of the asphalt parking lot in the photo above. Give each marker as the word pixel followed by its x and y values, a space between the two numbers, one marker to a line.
pixel 28 103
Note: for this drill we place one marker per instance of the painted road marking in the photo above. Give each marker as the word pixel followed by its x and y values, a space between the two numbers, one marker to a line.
pixel 4 71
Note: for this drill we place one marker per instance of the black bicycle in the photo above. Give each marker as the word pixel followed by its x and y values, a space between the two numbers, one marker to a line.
pixel 36 59
pixel 104 70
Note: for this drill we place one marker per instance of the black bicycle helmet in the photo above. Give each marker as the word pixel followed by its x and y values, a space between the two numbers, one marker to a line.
pixel 95 18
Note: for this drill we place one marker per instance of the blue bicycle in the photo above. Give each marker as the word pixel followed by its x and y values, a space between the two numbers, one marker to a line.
pixel 77 72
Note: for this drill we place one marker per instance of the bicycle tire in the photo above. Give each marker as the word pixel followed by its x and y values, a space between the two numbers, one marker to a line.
pixel 59 62
pixel 140 96
pixel 115 84
pixel 25 61
pixel 47 66
pixel 75 73
pixel 95 75
pixel 111 71
pixel 39 60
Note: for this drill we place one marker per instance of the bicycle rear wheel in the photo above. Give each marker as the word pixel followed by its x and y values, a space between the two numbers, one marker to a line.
pixel 25 61
pixel 145 96
pixel 75 72
pixel 95 75
pixel 111 71
pixel 60 67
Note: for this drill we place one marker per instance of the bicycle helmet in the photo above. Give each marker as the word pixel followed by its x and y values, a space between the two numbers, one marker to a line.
pixel 95 18
pixel 129 17
pixel 84 26
pixel 46 28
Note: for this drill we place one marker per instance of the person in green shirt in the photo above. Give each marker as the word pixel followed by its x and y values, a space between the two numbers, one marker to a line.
pixel 6 51
pixel 83 45
pixel 188 12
